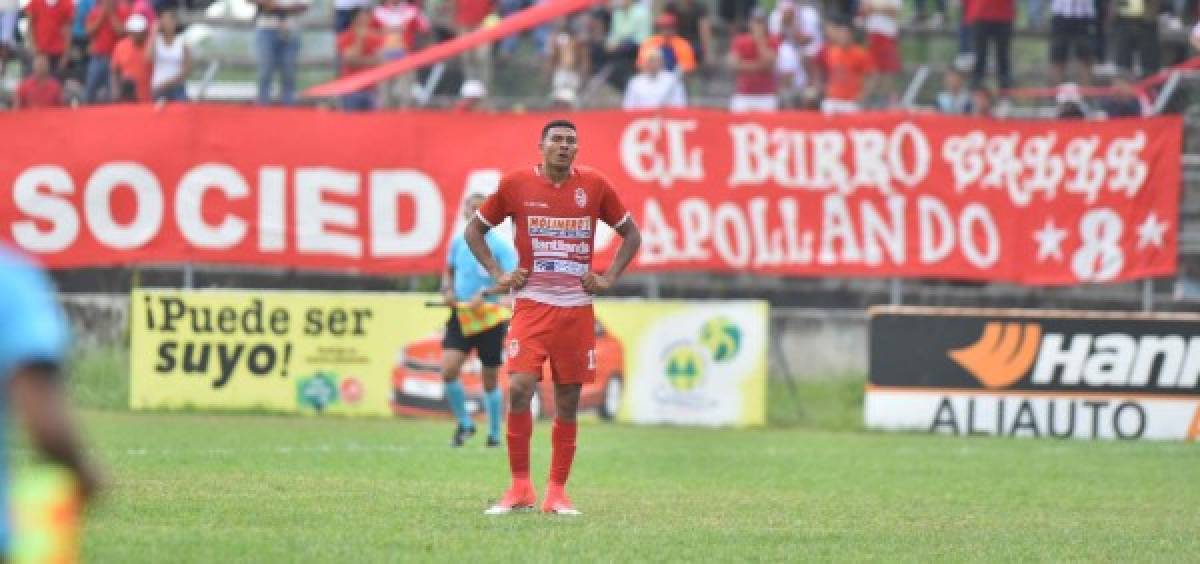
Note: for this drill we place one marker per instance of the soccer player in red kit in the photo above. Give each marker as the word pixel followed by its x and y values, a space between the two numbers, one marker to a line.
pixel 555 207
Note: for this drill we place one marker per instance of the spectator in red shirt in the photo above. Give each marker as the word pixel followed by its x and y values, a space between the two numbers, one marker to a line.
pixel 50 24
pixel 992 25
pixel 752 56
pixel 40 89
pixel 131 69
pixel 846 70
pixel 105 26
pixel 359 48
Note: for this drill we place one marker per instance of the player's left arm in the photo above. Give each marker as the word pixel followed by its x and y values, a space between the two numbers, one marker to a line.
pixel 613 213
pixel 631 240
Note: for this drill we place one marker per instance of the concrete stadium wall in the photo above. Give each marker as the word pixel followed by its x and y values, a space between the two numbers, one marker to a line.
pixel 805 343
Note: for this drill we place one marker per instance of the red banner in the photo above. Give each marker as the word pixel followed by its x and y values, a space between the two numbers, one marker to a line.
pixel 791 194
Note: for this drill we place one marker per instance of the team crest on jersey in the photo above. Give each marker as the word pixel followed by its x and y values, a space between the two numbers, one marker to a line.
pixel 580 197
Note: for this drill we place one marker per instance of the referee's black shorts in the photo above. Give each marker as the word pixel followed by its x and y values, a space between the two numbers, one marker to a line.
pixel 489 344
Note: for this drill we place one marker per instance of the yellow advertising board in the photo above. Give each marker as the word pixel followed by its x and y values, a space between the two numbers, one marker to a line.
pixel 379 354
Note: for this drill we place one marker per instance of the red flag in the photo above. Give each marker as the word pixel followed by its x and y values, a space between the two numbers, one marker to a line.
pixel 516 23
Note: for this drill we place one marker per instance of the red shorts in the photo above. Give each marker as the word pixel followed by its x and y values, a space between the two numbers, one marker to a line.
pixel 566 336
pixel 885 53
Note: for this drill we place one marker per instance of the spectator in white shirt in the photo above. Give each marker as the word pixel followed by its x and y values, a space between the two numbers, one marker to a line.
pixel 792 68
pixel 654 88
pixel 803 21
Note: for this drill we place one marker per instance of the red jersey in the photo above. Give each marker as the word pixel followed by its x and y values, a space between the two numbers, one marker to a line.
pixel 48 19
pixel 106 37
pixel 39 93
pixel 555 228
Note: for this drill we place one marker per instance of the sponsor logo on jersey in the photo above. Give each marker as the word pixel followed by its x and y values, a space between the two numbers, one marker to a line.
pixel 536 205
pixel 560 246
pixel 561 266
pixel 580 197
pixel 561 227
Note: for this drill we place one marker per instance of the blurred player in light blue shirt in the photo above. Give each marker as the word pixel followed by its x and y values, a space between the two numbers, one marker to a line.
pixel 33 341
pixel 465 280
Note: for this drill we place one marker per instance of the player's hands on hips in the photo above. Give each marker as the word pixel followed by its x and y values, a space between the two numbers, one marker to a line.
pixel 449 297
pixel 511 280
pixel 476 302
pixel 596 283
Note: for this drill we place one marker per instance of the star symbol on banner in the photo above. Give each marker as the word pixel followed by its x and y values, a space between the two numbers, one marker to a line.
pixel 1049 241
pixel 1151 231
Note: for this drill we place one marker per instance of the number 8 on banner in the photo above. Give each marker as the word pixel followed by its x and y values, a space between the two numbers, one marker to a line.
pixel 1099 258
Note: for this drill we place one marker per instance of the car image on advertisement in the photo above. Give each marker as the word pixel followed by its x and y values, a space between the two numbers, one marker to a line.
pixel 418 389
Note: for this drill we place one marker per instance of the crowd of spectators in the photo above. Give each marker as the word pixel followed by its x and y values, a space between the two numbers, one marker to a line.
pixel 835 56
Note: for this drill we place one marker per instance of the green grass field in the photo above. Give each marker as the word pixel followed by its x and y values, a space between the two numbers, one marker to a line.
pixel 203 488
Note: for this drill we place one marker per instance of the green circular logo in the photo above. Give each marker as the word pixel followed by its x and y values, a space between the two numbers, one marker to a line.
pixel 685 368
pixel 722 338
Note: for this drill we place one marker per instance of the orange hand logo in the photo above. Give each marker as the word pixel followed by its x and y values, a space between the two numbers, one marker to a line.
pixel 1002 355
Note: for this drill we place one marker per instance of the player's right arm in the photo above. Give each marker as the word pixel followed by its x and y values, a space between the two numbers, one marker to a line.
pixel 475 236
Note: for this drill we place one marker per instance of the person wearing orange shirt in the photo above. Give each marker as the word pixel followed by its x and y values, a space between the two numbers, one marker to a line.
pixel 677 54
pixel 846 70
pixel 130 66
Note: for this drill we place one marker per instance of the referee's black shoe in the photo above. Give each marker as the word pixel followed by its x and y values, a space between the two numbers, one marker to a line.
pixel 461 434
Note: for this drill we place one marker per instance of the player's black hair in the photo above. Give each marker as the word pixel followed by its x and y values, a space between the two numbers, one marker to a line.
pixel 557 123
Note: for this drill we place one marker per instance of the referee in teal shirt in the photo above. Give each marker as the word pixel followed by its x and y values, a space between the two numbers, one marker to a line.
pixel 465 280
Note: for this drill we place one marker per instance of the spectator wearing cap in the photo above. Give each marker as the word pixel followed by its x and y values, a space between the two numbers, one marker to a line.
pixel 677 55
pixel 471 96
pixel 629 28
pixel 105 26
pixel 40 89
pixel 277 42
pixel 992 27
pixel 50 27
pixel 171 60
pixel 694 25
pixel 881 18
pixel 359 47
pixel 1070 102
pixel 954 98
pixel 846 70
pixel 1072 26
pixel 1135 31
pixel 752 57
pixel 654 88
pixel 130 64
